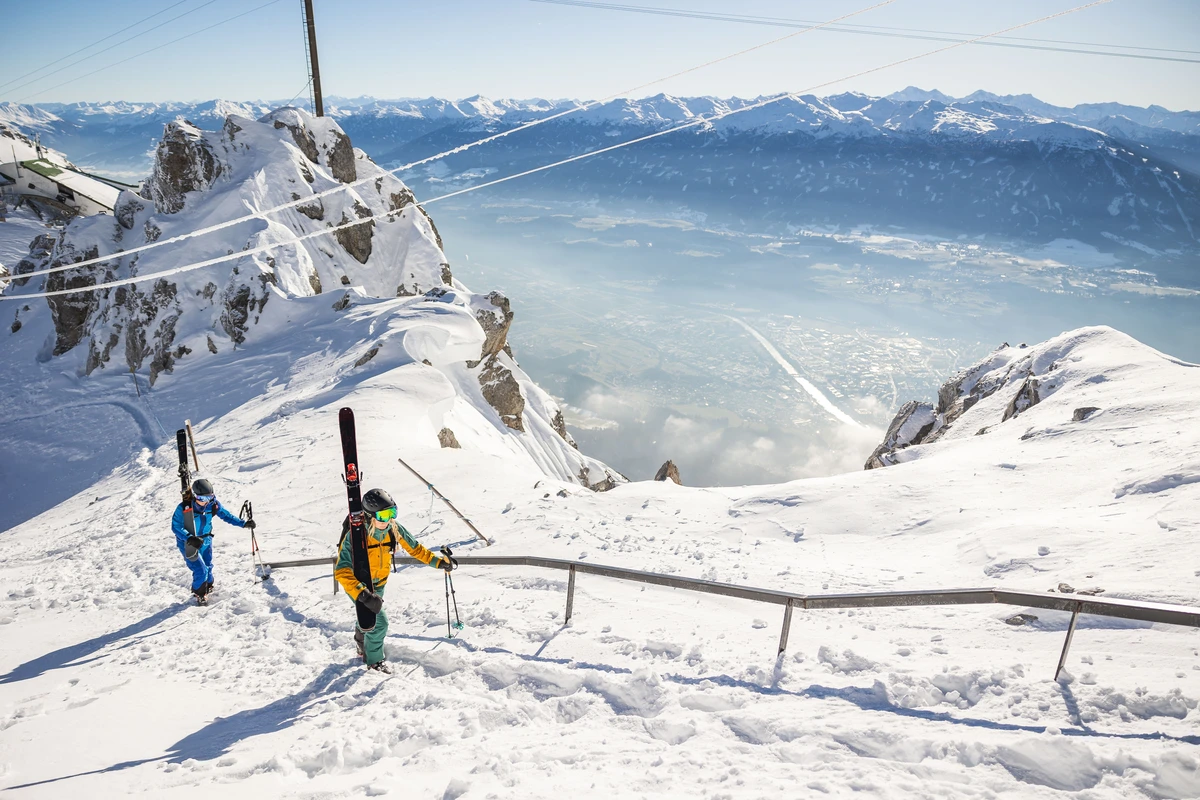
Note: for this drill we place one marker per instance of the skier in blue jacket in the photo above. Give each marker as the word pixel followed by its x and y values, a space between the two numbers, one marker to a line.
pixel 197 549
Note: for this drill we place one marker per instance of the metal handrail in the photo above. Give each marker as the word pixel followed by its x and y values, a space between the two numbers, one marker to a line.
pixel 1076 604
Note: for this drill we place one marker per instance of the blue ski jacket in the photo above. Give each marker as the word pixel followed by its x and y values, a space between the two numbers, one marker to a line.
pixel 203 516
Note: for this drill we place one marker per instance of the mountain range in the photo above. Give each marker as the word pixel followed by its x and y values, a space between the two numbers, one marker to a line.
pixel 1118 177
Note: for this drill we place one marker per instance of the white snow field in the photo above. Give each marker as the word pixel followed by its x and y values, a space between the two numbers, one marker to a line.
pixel 113 684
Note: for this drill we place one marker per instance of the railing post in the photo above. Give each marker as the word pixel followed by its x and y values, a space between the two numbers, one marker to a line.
pixel 1067 644
pixel 570 593
pixel 787 624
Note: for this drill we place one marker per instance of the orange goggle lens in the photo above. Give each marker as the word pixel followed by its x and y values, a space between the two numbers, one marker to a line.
pixel 386 515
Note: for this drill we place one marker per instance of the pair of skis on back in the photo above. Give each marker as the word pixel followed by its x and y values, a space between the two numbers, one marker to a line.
pixel 358 527
pixel 183 439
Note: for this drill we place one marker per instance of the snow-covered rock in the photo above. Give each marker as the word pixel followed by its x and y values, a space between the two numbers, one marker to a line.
pixel 203 178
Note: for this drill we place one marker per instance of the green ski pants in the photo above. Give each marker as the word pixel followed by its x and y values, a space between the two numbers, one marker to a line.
pixel 372 640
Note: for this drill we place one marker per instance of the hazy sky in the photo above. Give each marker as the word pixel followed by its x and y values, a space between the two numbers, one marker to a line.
pixel 521 48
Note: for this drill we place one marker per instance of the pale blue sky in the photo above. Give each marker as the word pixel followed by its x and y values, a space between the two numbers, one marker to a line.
pixel 518 48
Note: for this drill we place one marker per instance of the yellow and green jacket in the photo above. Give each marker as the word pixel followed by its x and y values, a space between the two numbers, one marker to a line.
pixel 380 546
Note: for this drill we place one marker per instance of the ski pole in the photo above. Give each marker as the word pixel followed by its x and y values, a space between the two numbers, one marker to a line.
pixel 247 513
pixel 448 554
pixel 446 583
pixel 457 619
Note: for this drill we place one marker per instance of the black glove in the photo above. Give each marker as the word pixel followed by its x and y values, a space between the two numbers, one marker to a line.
pixel 191 547
pixel 370 600
pixel 250 524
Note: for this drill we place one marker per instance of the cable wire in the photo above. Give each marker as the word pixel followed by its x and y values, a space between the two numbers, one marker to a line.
pixel 160 47
pixel 105 50
pixel 436 157
pixel 93 44
pixel 693 123
pixel 878 30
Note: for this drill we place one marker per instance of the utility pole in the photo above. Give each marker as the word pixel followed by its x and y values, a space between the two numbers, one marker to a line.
pixel 314 69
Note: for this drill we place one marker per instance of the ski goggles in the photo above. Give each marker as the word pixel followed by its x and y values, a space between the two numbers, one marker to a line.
pixel 386 515
pixel 205 499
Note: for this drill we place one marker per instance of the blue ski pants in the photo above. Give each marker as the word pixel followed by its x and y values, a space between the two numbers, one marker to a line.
pixel 202 569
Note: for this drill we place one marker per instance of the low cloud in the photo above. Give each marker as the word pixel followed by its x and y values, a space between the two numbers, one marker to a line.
pixel 715 449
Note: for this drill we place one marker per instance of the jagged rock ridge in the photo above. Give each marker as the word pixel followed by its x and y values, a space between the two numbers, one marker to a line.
pixel 206 177
pixel 1008 369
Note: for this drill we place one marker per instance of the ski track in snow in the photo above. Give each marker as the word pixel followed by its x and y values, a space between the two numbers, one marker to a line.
pixel 805 384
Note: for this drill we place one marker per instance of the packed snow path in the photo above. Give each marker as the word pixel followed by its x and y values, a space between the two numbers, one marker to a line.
pixel 111 684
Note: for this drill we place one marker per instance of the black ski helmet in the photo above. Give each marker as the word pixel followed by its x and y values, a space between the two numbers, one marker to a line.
pixel 377 500
pixel 202 486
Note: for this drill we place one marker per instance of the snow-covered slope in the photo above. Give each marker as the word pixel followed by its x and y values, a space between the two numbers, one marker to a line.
pixel 384 287
pixel 648 692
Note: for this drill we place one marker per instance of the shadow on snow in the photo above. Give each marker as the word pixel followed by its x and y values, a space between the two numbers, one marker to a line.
pixel 219 736
pixel 77 654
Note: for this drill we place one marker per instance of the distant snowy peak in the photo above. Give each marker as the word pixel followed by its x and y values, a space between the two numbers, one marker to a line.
pixel 912 111
pixel 123 112
pixel 852 115
pixel 912 94
pixel 31 119
pixel 1154 117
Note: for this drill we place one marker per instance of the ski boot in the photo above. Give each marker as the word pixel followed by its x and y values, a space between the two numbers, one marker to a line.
pixel 380 666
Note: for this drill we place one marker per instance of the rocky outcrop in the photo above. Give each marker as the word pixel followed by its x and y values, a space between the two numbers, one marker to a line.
pixel 129 205
pixel 437 236
pixel 184 163
pixel 240 302
pixel 503 393
pixel 401 200
pixel 668 472
pixel 356 239
pixel 314 210
pixel 446 438
pixel 149 320
pixel 1026 397
pixel 495 321
pixel 920 423
pixel 911 425
pixel 71 312
pixel 341 158
pixel 321 142
pixel 560 427
pixel 607 483
pixel 303 139
pixel 1080 414
pixel 40 251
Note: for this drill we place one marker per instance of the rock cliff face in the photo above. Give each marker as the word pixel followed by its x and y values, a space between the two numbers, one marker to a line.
pixel 184 163
pixel 201 177
pixel 1021 375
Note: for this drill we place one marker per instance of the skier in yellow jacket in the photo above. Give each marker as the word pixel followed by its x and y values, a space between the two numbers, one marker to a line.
pixel 383 534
